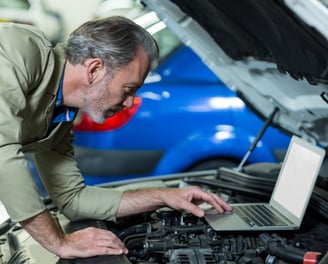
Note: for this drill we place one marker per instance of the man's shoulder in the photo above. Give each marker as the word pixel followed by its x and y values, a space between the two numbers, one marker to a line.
pixel 17 28
pixel 25 47
pixel 14 35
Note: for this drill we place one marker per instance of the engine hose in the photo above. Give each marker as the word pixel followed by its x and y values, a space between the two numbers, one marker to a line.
pixel 4 227
pixel 137 229
pixel 276 247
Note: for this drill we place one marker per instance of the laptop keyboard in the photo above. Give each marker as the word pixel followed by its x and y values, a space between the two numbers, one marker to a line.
pixel 259 215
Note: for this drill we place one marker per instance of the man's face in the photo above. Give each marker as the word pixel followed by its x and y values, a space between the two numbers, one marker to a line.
pixel 108 96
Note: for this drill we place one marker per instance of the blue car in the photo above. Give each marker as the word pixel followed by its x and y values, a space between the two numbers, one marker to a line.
pixel 184 119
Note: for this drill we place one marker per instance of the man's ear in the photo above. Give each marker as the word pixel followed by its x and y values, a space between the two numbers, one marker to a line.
pixel 95 69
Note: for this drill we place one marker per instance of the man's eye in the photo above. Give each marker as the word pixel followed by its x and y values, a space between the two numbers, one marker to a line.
pixel 130 90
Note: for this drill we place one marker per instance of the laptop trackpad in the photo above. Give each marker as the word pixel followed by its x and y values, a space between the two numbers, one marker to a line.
pixel 225 221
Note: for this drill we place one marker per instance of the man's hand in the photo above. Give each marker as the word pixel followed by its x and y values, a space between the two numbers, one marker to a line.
pixel 189 198
pixel 83 243
pixel 91 242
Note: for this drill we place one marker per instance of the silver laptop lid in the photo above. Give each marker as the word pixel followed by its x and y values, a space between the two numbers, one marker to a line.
pixel 296 179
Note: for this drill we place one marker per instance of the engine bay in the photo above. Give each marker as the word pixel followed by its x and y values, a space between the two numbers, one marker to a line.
pixel 170 236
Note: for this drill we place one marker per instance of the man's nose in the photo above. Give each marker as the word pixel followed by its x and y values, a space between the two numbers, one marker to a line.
pixel 129 101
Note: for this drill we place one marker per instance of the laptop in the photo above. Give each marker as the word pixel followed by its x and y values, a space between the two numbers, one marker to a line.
pixel 289 199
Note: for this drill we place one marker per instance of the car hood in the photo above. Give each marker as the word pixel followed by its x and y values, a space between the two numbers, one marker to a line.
pixel 273 53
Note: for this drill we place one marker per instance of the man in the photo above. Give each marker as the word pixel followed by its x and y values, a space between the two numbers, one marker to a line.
pixel 98 71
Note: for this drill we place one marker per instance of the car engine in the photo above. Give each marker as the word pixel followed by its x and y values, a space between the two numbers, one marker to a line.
pixel 174 237
pixel 168 236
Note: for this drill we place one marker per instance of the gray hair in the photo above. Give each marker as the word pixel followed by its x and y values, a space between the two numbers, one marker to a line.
pixel 114 39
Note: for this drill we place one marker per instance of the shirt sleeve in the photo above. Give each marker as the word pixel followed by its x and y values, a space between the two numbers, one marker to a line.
pixel 66 186
pixel 18 192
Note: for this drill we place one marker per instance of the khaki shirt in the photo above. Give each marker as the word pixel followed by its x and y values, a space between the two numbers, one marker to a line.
pixel 29 79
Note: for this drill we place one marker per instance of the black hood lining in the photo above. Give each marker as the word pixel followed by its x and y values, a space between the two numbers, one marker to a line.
pixel 266 30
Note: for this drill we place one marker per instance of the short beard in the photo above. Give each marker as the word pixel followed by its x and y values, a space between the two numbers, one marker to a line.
pixel 95 118
pixel 97 91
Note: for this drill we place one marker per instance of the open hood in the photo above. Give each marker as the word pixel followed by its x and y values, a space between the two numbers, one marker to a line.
pixel 273 53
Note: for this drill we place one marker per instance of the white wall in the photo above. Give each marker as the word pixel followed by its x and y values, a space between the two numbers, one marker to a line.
pixel 74 12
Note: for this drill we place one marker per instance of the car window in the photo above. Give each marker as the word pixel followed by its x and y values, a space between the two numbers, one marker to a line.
pixel 19 4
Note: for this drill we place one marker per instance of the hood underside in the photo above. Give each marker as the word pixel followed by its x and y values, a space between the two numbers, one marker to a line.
pixel 273 53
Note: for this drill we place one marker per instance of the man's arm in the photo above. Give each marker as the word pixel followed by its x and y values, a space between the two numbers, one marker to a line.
pixel 62 178
pixel 187 199
pixel 83 243
pixel 92 241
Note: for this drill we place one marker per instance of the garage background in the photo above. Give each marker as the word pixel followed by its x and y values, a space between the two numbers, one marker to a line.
pixel 74 12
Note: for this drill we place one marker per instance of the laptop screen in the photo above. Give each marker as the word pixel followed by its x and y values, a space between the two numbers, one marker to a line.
pixel 298 176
